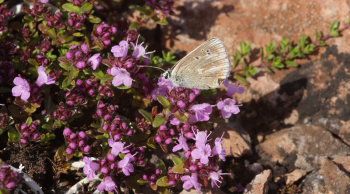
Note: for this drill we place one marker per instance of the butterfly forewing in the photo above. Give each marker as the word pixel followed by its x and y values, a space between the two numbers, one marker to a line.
pixel 203 68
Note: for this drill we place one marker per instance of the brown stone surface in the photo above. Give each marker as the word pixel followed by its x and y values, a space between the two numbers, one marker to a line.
pixel 294 176
pixel 344 131
pixel 301 146
pixel 254 21
pixel 329 179
pixel 259 184
pixel 235 141
pixel 343 161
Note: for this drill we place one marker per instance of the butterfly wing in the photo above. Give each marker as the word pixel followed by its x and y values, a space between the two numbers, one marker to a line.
pixel 203 68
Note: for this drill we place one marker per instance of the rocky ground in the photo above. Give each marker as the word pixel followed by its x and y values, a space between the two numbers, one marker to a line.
pixel 293 134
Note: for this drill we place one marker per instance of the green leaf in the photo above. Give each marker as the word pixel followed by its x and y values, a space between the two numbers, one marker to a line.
pixel 151 143
pixel 66 67
pixel 161 165
pixel 124 87
pixel 277 62
pixel 1 1
pixel 253 70
pixel 141 182
pixel 146 115
pixel 13 135
pixel 163 22
pixel 291 63
pixel 246 48
pixel 158 121
pixel 335 29
pixel 163 101
pixel 163 182
pixel 86 7
pixel 94 19
pixel 178 165
pixel 71 8
pixel 29 121
pixel 78 34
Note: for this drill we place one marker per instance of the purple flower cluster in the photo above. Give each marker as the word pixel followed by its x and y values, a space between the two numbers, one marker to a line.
pixel 9 178
pixel 151 174
pixel 103 34
pixel 5 15
pixel 30 132
pixel 163 6
pixel 63 112
pixel 119 161
pixel 78 55
pixel 112 123
pixel 76 21
pixel 76 141
pixel 201 159
pixel 54 20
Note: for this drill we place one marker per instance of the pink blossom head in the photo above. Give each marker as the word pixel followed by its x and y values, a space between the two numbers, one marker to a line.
pixel 228 107
pixel 21 88
pixel 201 112
pixel 121 50
pixel 95 60
pixel 90 168
pixel 121 77
pixel 44 78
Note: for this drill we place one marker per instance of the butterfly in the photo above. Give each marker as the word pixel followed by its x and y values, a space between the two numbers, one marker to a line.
pixel 206 67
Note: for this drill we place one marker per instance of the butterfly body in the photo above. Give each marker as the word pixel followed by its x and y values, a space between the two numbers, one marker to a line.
pixel 206 67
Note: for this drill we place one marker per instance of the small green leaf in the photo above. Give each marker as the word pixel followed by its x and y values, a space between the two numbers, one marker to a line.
pixel 146 115
pixel 13 135
pixel 277 62
pixel 124 87
pixel 335 29
pixel 71 7
pixel 291 63
pixel 66 67
pixel 86 7
pixel 158 121
pixel 78 34
pixel 151 143
pixel 178 165
pixel 163 101
pixel 29 121
pixel 141 182
pixel 1 1
pixel 163 182
pixel 177 160
pixel 94 19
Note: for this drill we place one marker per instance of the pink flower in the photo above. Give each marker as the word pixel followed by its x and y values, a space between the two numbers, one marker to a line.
pixel 202 153
pixel 228 107
pixel 164 86
pixel 201 138
pixel 201 112
pixel 126 165
pixel 22 88
pixel 233 88
pixel 175 121
pixel 95 60
pixel 139 50
pixel 107 185
pixel 216 178
pixel 43 77
pixel 44 1
pixel 121 50
pixel 191 181
pixel 218 149
pixel 121 76
pixel 90 168
pixel 117 147
pixel 182 145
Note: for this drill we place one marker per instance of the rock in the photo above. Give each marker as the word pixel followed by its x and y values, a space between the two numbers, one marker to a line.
pixel 259 185
pixel 344 132
pixel 343 161
pixel 294 176
pixel 235 141
pixel 329 179
pixel 254 21
pixel 292 119
pixel 300 146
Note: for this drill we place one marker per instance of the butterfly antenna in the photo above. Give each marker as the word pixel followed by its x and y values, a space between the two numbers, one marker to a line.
pixel 152 67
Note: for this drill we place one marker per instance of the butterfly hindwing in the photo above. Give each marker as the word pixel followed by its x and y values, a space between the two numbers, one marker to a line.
pixel 203 68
